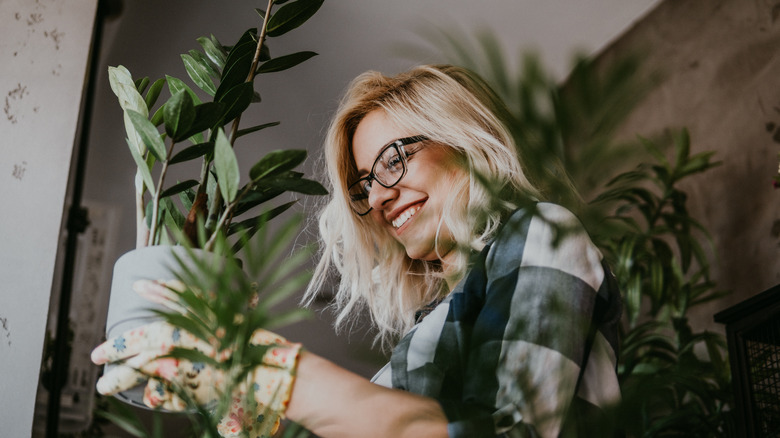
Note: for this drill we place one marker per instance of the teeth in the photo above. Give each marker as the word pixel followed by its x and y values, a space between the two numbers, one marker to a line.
pixel 400 220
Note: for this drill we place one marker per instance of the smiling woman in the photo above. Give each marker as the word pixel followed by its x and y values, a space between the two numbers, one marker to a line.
pixel 506 314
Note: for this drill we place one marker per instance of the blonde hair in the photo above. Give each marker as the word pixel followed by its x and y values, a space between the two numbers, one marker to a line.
pixel 452 107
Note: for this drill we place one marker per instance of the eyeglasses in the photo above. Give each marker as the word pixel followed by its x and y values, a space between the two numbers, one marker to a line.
pixel 388 169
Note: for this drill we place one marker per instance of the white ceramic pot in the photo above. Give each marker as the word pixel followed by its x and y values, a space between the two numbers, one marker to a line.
pixel 126 308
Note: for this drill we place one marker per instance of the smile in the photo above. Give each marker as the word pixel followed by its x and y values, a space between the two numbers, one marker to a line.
pixel 405 216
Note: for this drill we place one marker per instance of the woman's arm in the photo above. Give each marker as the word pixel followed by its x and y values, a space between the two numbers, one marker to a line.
pixel 331 401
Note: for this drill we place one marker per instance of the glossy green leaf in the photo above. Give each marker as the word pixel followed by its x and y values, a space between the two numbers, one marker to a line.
pixel 176 85
pixel 171 218
pixel 187 198
pixel 234 74
pixel 242 132
pixel 149 134
pixel 178 188
pixel 179 115
pixel 226 166
pixel 236 101
pixel 143 168
pixel 284 62
pixel 297 185
pixel 199 74
pixel 207 116
pixel 276 162
pixel 255 198
pixel 292 15
pixel 206 63
pixel 192 152
pixel 159 116
pixel 238 63
pixel 154 93
pixel 124 88
pixel 214 51
pixel 141 84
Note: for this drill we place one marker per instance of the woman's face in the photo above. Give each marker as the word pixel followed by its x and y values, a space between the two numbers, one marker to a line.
pixel 410 210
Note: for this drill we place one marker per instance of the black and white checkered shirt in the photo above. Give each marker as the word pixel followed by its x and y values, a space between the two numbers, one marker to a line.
pixel 504 352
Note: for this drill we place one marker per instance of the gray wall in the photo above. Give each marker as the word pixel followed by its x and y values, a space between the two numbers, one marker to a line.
pixel 720 65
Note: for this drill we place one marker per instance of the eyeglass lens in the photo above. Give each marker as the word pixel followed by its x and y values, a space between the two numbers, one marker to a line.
pixel 388 169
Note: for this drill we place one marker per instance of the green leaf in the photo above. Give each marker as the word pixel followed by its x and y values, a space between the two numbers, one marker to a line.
pixel 206 63
pixel 255 198
pixel 179 115
pixel 236 101
pixel 192 152
pixel 149 134
pixel 254 223
pixel 242 132
pixel 284 62
pixel 289 317
pixel 178 188
pixel 124 88
pixel 208 115
pixel 141 84
pixel 192 356
pixel 175 85
pixel 276 162
pixel 159 116
pixel 199 74
pixel 682 146
pixel 154 93
pixel 292 15
pixel 226 166
pixel 297 185
pixel 238 63
pixel 214 51
pixel 143 169
pixel 125 419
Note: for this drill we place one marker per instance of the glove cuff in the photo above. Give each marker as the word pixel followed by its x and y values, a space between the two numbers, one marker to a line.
pixel 272 382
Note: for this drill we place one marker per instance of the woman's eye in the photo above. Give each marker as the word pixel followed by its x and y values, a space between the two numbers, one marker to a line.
pixel 366 186
pixel 394 162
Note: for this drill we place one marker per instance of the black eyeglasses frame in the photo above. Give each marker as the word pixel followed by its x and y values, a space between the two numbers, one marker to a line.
pixel 399 145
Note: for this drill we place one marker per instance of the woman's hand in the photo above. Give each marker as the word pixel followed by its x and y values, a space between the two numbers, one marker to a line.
pixel 142 353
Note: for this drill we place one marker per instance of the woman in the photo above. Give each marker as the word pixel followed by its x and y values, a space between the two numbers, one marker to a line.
pixel 507 316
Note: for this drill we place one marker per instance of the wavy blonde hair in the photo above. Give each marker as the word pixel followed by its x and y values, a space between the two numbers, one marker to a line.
pixel 452 107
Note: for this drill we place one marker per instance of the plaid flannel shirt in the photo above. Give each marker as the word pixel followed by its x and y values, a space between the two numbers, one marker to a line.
pixel 503 353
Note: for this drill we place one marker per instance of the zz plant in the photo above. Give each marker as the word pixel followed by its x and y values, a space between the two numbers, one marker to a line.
pixel 226 298
pixel 207 130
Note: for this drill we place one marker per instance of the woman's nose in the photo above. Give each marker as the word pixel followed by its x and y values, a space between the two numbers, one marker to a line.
pixel 380 196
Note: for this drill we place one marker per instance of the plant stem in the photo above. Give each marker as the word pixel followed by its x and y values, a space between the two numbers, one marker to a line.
pixel 226 217
pixel 142 231
pixel 156 199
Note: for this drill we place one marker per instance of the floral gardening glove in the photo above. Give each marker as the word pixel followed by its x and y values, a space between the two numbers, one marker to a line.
pixel 139 356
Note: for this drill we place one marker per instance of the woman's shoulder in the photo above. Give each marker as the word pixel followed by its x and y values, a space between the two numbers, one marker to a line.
pixel 544 235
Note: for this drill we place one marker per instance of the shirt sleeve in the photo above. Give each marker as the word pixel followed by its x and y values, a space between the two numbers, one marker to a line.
pixel 526 343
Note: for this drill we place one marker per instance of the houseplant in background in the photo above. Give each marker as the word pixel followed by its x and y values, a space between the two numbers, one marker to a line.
pixel 675 380
pixel 205 231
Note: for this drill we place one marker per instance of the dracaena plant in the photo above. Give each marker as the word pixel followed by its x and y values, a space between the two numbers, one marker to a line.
pixel 186 127
pixel 674 379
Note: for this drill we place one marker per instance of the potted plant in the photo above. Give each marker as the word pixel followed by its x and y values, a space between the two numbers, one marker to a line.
pixel 192 230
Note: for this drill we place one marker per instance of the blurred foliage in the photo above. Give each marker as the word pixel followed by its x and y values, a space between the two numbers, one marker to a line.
pixel 225 300
pixel 675 381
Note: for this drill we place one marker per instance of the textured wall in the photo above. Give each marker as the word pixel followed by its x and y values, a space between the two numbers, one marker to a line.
pixel 720 65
